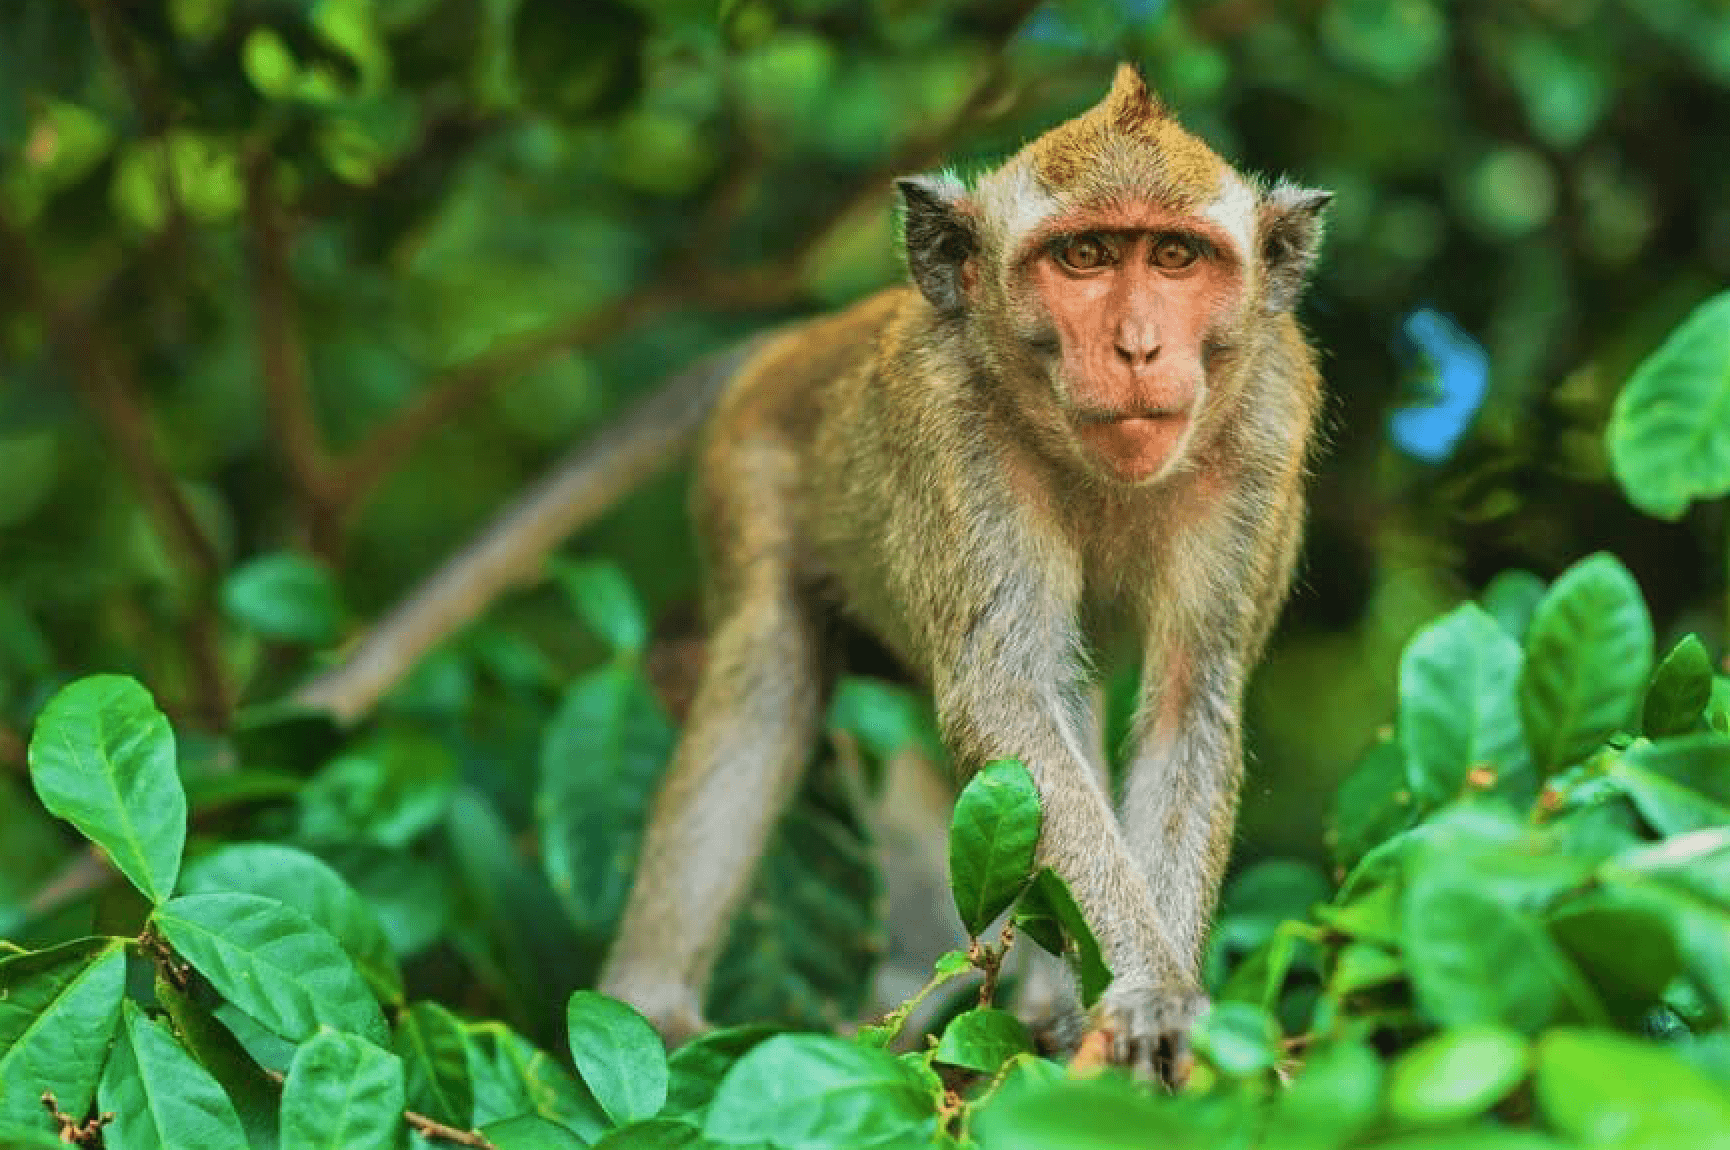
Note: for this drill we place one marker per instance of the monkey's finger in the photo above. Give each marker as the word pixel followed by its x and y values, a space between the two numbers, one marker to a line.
pixel 1176 1060
pixel 1092 1056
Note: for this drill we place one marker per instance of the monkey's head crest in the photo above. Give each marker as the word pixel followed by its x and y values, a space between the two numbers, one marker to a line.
pixel 1129 141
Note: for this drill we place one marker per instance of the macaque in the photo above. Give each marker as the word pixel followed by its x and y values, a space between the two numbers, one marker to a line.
pixel 1087 417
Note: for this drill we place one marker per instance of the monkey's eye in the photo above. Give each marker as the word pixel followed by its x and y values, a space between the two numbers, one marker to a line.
pixel 1084 253
pixel 1174 253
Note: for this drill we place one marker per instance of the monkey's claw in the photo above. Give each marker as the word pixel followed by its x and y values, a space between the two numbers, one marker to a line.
pixel 1145 1030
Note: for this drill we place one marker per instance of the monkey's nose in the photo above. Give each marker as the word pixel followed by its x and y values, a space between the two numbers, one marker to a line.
pixel 1137 353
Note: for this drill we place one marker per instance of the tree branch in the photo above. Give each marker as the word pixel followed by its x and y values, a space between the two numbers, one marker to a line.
pixel 107 392
pixel 282 363
pixel 439 1132
pixel 685 282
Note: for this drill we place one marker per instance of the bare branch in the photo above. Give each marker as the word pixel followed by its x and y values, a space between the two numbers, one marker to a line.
pixel 282 362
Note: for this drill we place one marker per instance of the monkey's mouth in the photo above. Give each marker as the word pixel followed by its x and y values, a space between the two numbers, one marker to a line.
pixel 1130 419
pixel 1134 445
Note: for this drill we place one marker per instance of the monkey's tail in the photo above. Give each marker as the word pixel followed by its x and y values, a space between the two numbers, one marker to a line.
pixel 512 549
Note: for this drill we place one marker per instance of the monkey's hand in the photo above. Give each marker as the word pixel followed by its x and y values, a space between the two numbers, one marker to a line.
pixel 1145 1029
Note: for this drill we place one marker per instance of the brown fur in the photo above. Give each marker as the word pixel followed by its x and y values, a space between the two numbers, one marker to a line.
pixel 911 464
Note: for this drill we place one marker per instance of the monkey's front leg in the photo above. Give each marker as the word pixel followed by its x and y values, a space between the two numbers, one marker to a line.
pixel 1153 999
pixel 747 738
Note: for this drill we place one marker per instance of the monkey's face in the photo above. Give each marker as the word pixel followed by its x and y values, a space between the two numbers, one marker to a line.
pixel 1129 306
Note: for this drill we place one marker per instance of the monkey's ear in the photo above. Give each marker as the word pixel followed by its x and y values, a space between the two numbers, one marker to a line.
pixel 940 238
pixel 1291 234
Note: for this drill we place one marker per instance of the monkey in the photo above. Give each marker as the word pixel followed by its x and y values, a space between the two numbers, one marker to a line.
pixel 1087 416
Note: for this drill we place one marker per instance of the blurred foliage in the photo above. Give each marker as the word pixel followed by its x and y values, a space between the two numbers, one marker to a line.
pixel 294 294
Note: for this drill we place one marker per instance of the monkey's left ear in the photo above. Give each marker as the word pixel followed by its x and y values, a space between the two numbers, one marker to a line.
pixel 940 238
pixel 1291 234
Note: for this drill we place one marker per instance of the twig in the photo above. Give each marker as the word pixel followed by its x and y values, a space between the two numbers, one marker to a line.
pixel 282 363
pixel 108 392
pixel 440 1132
pixel 512 549
pixel 461 386
pixel 772 283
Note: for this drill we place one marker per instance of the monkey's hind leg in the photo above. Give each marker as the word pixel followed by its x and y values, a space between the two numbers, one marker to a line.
pixel 749 734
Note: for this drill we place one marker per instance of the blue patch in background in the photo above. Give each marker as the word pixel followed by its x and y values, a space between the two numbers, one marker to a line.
pixel 1456 373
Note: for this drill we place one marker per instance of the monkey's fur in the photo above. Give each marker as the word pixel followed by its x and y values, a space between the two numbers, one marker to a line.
pixel 938 465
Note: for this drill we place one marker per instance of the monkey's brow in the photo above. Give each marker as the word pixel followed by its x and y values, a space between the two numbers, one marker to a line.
pixel 1207 238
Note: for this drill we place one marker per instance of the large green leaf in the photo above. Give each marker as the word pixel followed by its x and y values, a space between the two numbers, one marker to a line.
pixel 272 962
pixel 695 1070
pixel 57 1012
pixel 1608 1090
pixel 1473 958
pixel 1372 805
pixel 531 1132
pixel 1681 688
pixel 1050 916
pixel 1587 657
pixel 659 1134
pixel 1457 1074
pixel 603 597
pixel 512 1077
pixel 805 942
pixel 435 1057
pixel 160 1098
pixel 983 1040
pixel 1680 784
pixel 992 839
pixel 310 886
pixel 600 760
pixel 102 757
pixel 1457 706
pixel 809 1092
pixel 388 790
pixel 248 1086
pixel 343 1093
pixel 619 1055
pixel 1670 431
pixel 285 596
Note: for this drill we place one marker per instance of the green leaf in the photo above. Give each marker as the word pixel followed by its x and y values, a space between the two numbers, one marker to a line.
pixel 600 760
pixel 1681 688
pixel 604 599
pixel 57 1011
pixel 342 1093
pixel 983 1040
pixel 992 838
pixel 160 1098
pixel 1669 434
pixel 285 596
pixel 656 1134
pixel 1337 1095
pixel 435 1058
pixel 1679 784
pixel 102 758
pixel 389 790
pixel 1238 1038
pixel 251 1090
pixel 1511 599
pixel 512 1077
pixel 619 1055
pixel 1048 914
pixel 1372 805
pixel 1624 945
pixel 811 1092
pixel 529 1132
pixel 810 932
pixel 695 1070
pixel 1587 657
pixel 310 886
pixel 1458 711
pixel 1457 1074
pixel 1612 1091
pixel 1474 959
pixel 273 963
